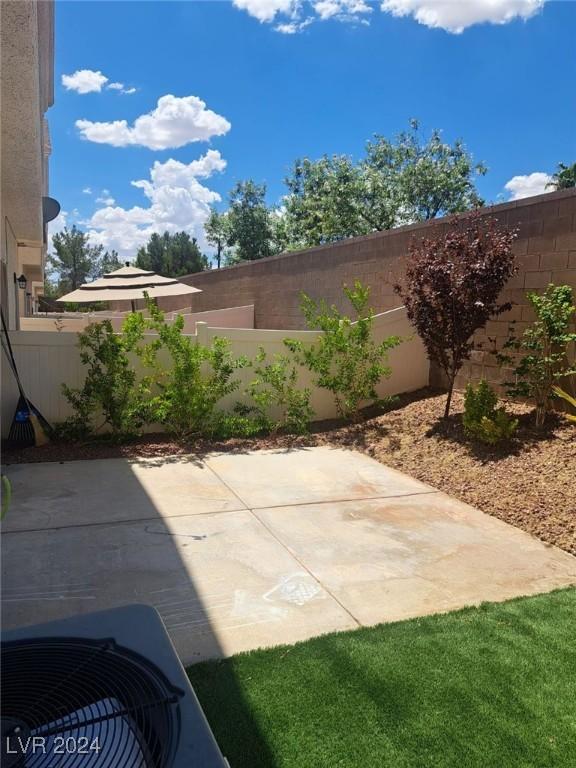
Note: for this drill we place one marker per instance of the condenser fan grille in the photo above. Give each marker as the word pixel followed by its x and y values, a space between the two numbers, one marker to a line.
pixel 77 703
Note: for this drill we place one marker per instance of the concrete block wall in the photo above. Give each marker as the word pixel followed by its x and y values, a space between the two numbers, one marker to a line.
pixel 546 251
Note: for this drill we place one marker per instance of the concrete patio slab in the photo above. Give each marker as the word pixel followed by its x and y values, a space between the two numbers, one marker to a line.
pixel 391 559
pixel 221 582
pixel 247 550
pixel 52 495
pixel 307 475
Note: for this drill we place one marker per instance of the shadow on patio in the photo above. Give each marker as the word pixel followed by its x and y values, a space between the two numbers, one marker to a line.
pixel 86 536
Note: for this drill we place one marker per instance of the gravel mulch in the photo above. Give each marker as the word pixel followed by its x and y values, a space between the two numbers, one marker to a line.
pixel 530 483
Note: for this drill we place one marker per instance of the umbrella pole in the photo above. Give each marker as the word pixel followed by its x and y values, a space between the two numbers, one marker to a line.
pixel 133 305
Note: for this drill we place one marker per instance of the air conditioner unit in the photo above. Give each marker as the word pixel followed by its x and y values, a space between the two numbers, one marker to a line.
pixel 103 690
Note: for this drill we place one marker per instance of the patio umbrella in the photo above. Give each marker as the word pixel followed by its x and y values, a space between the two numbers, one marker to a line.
pixel 128 284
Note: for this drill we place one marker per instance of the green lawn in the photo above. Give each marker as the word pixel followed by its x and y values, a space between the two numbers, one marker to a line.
pixel 488 687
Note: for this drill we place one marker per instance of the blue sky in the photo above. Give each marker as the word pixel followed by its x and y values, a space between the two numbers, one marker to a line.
pixel 281 80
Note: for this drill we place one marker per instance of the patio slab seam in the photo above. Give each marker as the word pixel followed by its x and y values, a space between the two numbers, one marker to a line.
pixel 127 521
pixel 292 554
pixel 251 506
pixel 243 508
pixel 306 568
pixel 343 500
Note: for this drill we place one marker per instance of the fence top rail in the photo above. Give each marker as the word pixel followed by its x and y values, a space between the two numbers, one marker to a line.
pixel 67 339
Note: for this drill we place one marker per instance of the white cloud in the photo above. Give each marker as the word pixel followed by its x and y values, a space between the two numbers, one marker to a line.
pixel 456 15
pixel 174 123
pixel 120 87
pixel 289 28
pixel 291 16
pixel 529 185
pixel 343 10
pixel 87 191
pixel 56 225
pixel 84 81
pixel 293 27
pixel 177 201
pixel 105 198
pixel 266 10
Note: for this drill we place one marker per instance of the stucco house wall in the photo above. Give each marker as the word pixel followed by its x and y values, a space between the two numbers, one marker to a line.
pixel 26 93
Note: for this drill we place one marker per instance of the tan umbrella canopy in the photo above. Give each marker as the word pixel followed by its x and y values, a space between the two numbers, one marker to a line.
pixel 128 284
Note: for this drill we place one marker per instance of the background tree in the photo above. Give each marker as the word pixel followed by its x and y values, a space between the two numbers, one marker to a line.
pixel 152 255
pixel 278 225
pixel 109 262
pixel 453 281
pixel 424 179
pixel 171 255
pixel 51 289
pixel 250 229
pixel 74 260
pixel 398 181
pixel 325 202
pixel 564 178
pixel 217 233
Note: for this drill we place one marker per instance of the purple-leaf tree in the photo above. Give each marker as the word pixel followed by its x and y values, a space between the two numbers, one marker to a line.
pixel 453 281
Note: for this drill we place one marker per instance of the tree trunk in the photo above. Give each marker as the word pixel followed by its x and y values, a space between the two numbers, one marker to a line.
pixel 449 397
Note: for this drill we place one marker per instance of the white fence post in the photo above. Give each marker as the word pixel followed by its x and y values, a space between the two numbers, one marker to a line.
pixel 202 333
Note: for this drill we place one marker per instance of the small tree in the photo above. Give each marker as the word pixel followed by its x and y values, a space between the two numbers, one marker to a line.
pixel 189 389
pixel 111 390
pixel 544 348
pixel 248 222
pixel 217 233
pixel 276 385
pixel 346 360
pixel 453 280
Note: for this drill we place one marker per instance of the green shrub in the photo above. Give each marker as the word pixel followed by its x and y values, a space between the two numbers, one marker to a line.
pixel 482 418
pixel 276 385
pixel 188 390
pixel 75 428
pixel 110 390
pixel 345 360
pixel 544 349
pixel 242 421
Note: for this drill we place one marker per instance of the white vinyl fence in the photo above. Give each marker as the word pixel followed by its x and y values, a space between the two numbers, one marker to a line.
pixel 46 359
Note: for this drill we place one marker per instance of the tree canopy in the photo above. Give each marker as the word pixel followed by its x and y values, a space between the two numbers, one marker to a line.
pixel 109 262
pixel 171 255
pixel 217 229
pixel 398 181
pixel 564 178
pixel 75 260
pixel 248 222
pixel 454 278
